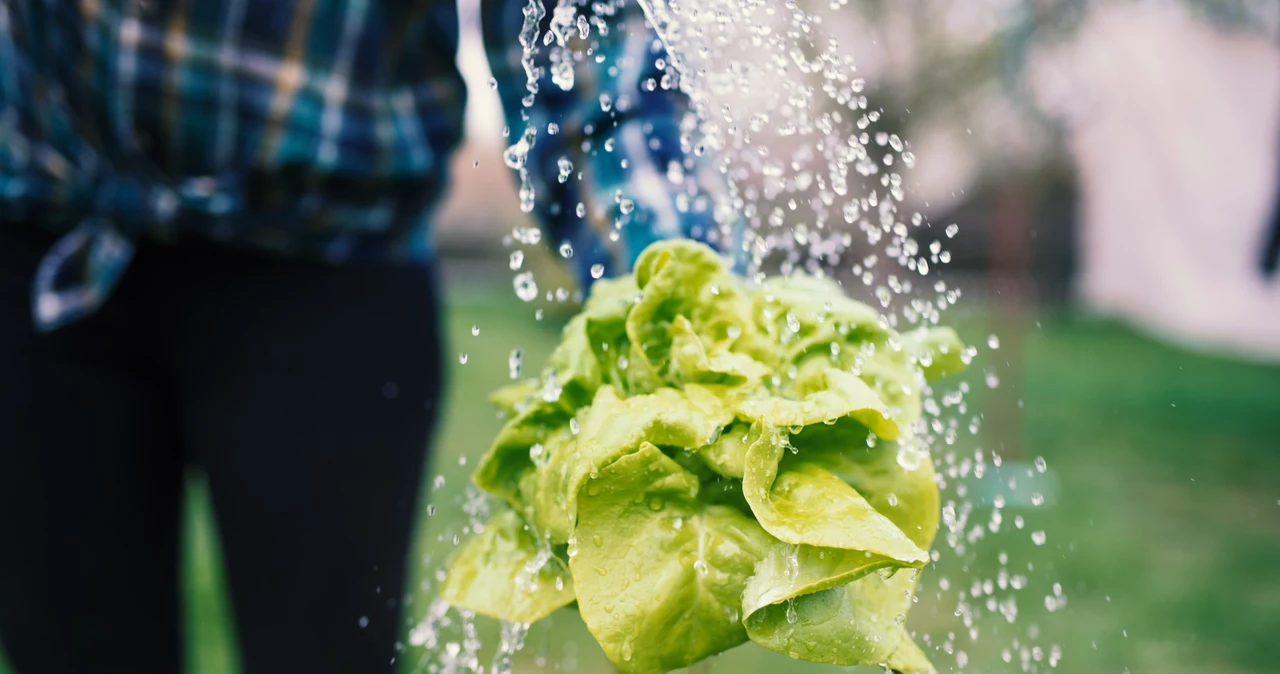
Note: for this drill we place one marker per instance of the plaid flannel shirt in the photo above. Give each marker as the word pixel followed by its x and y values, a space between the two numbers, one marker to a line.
pixel 320 129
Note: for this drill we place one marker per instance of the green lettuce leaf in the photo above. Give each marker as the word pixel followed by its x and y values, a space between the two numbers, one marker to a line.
pixel 801 602
pixel 908 498
pixel 505 572
pixel 613 427
pixel 828 395
pixel 512 398
pixel 691 363
pixel 573 372
pixel 897 380
pixel 660 574
pixel 804 314
pixel 606 311
pixel 859 623
pixel 727 456
pixel 789 571
pixel 936 350
pixel 680 280
pixel 508 460
pixel 785 499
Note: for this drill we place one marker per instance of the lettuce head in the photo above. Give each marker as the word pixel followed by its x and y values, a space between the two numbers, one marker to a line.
pixel 703 462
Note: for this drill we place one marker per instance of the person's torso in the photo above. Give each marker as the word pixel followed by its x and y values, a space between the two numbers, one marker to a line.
pixel 317 127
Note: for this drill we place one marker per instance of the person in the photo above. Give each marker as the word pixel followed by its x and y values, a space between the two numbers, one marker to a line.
pixel 215 254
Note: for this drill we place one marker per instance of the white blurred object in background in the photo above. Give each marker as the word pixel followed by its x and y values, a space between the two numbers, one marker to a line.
pixel 1175 129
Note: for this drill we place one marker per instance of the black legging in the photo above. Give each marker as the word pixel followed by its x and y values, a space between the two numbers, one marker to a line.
pixel 306 393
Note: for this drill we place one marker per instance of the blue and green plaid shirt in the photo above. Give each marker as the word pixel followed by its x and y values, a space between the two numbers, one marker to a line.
pixel 319 129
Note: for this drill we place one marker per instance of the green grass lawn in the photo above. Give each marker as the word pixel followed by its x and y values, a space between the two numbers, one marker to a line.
pixel 1163 524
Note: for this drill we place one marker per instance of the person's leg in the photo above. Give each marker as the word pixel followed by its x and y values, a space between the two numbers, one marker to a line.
pixel 90 480
pixel 309 394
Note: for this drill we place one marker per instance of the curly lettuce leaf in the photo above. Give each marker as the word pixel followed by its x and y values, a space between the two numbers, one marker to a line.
pixel 692 363
pixel 908 498
pixel 508 460
pixel 789 571
pixel 505 572
pixel 606 311
pixel 727 456
pixel 891 371
pixel 512 398
pixel 827 395
pixel 860 623
pixel 660 573
pixel 613 427
pixel 804 313
pixel 805 504
pixel 573 372
pixel 801 601
pixel 936 350
pixel 677 279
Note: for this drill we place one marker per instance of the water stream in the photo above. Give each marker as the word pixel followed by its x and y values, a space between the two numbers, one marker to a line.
pixel 816 174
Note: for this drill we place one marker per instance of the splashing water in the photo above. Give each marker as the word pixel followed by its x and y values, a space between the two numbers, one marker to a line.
pixel 517 155
pixel 511 641
pixel 817 179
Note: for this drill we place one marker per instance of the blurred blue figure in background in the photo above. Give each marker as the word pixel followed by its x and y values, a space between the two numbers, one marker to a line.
pixel 215 253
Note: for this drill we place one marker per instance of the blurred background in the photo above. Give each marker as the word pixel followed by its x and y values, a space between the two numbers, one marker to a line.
pixel 1114 171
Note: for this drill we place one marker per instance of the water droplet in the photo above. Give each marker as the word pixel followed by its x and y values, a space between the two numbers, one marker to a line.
pixel 513 363
pixel 909 458
pixel 952 230
pixel 566 250
pixel 526 287
pixel 566 169
pixel 462 358
pixel 517 259
pixel 793 323
pixel 1038 537
pixel 1041 464
pixel 597 270
pixel 993 342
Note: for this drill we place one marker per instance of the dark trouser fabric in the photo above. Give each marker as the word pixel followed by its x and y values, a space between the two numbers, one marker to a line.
pixel 304 392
